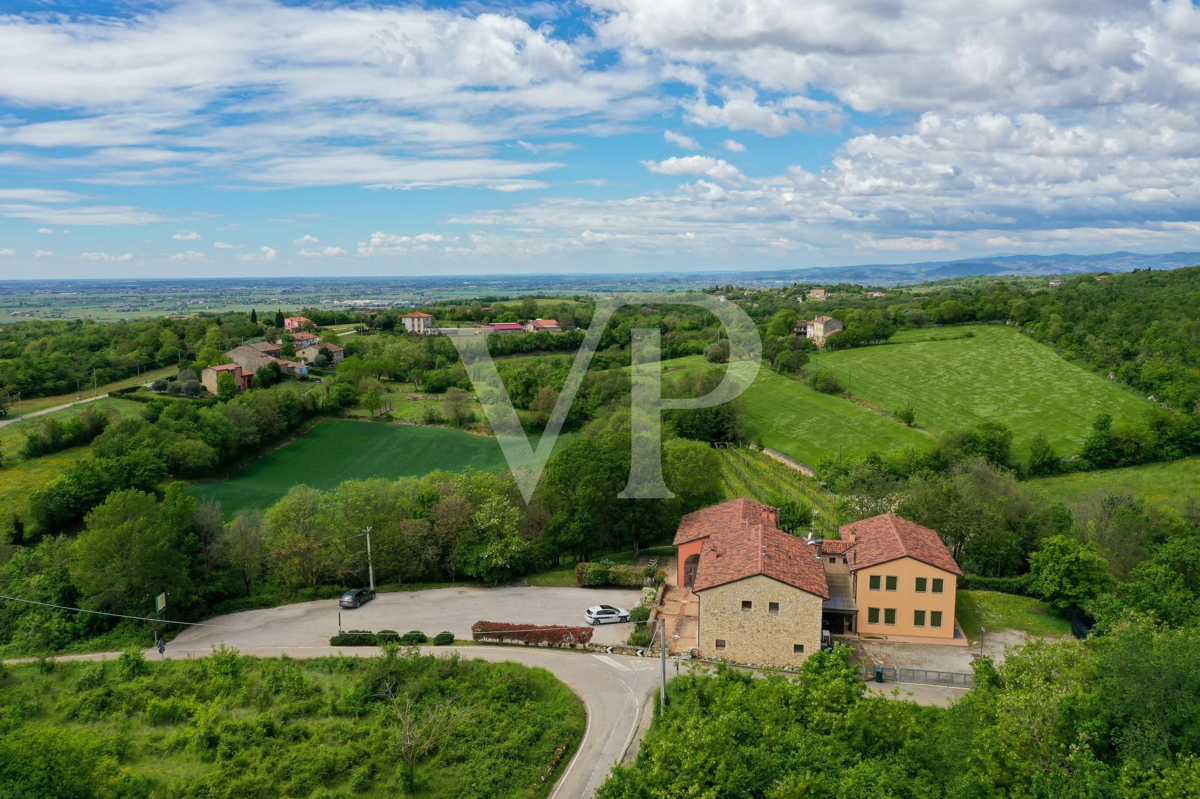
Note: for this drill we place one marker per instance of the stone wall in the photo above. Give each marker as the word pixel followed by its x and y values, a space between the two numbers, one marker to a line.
pixel 757 635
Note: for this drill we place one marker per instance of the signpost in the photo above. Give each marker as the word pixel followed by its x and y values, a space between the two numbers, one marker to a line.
pixel 160 603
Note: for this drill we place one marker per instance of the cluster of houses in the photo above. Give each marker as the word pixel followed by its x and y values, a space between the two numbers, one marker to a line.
pixel 767 597
pixel 818 329
pixel 249 358
pixel 421 324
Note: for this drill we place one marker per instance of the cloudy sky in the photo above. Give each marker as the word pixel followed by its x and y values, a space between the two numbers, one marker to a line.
pixel 255 137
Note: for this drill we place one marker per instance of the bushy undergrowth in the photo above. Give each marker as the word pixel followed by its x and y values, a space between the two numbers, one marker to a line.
pixel 229 726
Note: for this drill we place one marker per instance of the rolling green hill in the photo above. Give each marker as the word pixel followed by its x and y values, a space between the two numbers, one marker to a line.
pixel 997 374
pixel 337 450
pixel 1169 485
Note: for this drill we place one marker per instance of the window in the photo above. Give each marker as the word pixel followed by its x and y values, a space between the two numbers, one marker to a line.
pixel 747 604
pixel 833 560
pixel 918 618
pixel 935 618
pixel 872 615
pixel 845 561
pixel 889 615
pixel 891 582
pixel 772 607
pixel 922 585
pixel 720 643
pixel 797 649
pixel 874 583
pixel 937 585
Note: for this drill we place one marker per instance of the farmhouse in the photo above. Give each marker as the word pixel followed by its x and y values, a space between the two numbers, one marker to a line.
pixel 251 360
pixel 767 597
pixel 417 322
pixel 818 329
pixel 311 352
pixel 294 323
pixel 267 348
pixel 549 325
pixel 816 295
pixel 209 377
pixel 303 339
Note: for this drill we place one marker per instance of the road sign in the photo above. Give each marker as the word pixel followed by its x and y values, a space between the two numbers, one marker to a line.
pixel 160 603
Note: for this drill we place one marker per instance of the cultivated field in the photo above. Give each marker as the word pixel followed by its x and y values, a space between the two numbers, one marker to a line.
pixel 1169 485
pixel 338 450
pixel 747 472
pixel 997 375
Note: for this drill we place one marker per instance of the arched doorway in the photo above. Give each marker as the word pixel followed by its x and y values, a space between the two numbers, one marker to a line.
pixel 689 570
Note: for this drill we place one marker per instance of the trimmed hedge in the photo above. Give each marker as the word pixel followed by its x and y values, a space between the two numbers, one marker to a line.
pixel 499 632
pixel 443 639
pixel 604 573
pixel 1021 585
pixel 368 638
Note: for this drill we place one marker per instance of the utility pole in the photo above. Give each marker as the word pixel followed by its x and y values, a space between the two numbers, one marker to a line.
pixel 370 564
pixel 662 689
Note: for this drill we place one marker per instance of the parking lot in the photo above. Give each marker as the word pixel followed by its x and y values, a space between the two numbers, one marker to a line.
pixel 433 610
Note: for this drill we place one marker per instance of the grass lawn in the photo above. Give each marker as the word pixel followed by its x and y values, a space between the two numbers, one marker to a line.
pixel 998 375
pixel 40 403
pixel 786 414
pixel 414 410
pixel 337 450
pixel 564 575
pixel 229 725
pixel 12 436
pixel 1168 485
pixel 997 612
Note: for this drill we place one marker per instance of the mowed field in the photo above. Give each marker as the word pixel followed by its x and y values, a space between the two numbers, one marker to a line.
pixel 786 414
pixel 998 375
pixel 337 450
pixel 1168 485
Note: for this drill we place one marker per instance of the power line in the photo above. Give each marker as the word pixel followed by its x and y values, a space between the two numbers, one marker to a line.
pixel 115 615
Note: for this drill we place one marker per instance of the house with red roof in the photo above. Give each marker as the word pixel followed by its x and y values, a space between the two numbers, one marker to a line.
pixel 547 325
pixel 241 378
pixel 417 322
pixel 292 324
pixel 761 590
pixel 504 327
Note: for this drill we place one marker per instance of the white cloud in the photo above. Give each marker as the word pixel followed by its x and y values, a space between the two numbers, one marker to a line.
pixel 263 254
pixel 106 257
pixel 324 252
pixel 45 230
pixel 679 140
pixel 702 165
pixel 224 245
pixel 382 243
pixel 733 146
pixel 189 255
pixel 43 253
pixel 7 252
pixel 186 235
pixel 306 239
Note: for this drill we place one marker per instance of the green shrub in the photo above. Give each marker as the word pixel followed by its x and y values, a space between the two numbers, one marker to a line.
pixel 131 664
pixel 640 613
pixel 171 710
pixel 354 638
pixel 443 639
pixel 606 573
pixel 413 638
pixel 826 382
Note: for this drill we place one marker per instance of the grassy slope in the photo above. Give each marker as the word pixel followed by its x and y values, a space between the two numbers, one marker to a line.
pixel 998 612
pixel 1169 485
pixel 339 450
pixel 748 473
pixel 998 375
pixel 282 728
pixel 39 403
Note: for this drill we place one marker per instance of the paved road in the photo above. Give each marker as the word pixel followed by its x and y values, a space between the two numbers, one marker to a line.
pixel 45 411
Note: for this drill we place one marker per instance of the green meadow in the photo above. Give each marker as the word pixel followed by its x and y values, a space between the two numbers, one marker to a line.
pixel 1169 485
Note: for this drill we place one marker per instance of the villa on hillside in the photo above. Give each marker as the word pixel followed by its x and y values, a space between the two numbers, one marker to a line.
pixel 209 377
pixel 336 354
pixel 251 360
pixel 818 329
pixel 768 597
pixel 292 324
pixel 816 295
pixel 417 322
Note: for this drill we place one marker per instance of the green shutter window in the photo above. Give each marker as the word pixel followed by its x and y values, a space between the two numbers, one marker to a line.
pixel 889 615
pixel 922 585
pixel 874 582
pixel 937 585
pixel 918 618
pixel 935 618
pixel 891 582
pixel 872 615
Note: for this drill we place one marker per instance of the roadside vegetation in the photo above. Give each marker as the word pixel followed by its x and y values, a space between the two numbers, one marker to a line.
pixel 232 726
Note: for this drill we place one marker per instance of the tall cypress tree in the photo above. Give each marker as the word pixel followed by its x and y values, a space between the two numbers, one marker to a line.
pixel 253 317
pixel 279 319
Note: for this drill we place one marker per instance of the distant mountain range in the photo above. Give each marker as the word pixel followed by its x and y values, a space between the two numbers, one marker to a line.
pixel 1023 265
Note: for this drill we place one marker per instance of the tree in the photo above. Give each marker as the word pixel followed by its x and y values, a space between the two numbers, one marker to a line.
pixel 457 406
pixel 299 545
pixel 130 551
pixel 1068 573
pixel 268 375
pixel 279 319
pixel 1042 459
pixel 907 414
pixel 242 545
pixel 783 323
pixel 372 401
pixel 718 352
pixel 253 316
pixel 226 387
pixel 501 550
pixel 790 362
pixel 1099 448
pixel 417 732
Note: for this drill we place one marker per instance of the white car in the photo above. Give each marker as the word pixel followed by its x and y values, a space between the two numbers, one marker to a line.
pixel 605 614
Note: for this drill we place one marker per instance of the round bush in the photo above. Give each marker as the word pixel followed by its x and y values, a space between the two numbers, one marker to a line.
pixel 443 639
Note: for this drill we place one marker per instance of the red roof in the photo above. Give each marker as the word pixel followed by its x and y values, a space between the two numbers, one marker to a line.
pixel 265 346
pixel 545 323
pixel 888 537
pixel 225 367
pixel 832 546
pixel 417 315
pixel 505 326
pixel 744 541
pixel 825 319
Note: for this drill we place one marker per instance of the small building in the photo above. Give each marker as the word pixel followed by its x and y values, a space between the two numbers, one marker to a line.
pixel 417 322
pixel 267 348
pixel 302 339
pixel 504 327
pixel 875 295
pixel 210 376
pixel 818 329
pixel 904 580
pixel 310 353
pixel 816 295
pixel 761 590
pixel 292 324
pixel 251 360
pixel 1055 284
pixel 547 325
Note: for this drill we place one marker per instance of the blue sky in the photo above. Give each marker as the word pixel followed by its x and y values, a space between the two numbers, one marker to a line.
pixel 265 138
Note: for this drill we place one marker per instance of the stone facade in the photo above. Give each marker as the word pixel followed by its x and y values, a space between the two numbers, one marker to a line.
pixel 757 635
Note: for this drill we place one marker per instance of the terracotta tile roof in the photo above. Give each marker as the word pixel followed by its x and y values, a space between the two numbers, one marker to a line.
pixel 888 537
pixel 825 319
pixel 505 326
pixel 265 346
pixel 737 514
pixel 763 549
pixel 832 546
pixel 225 367
pixel 417 315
